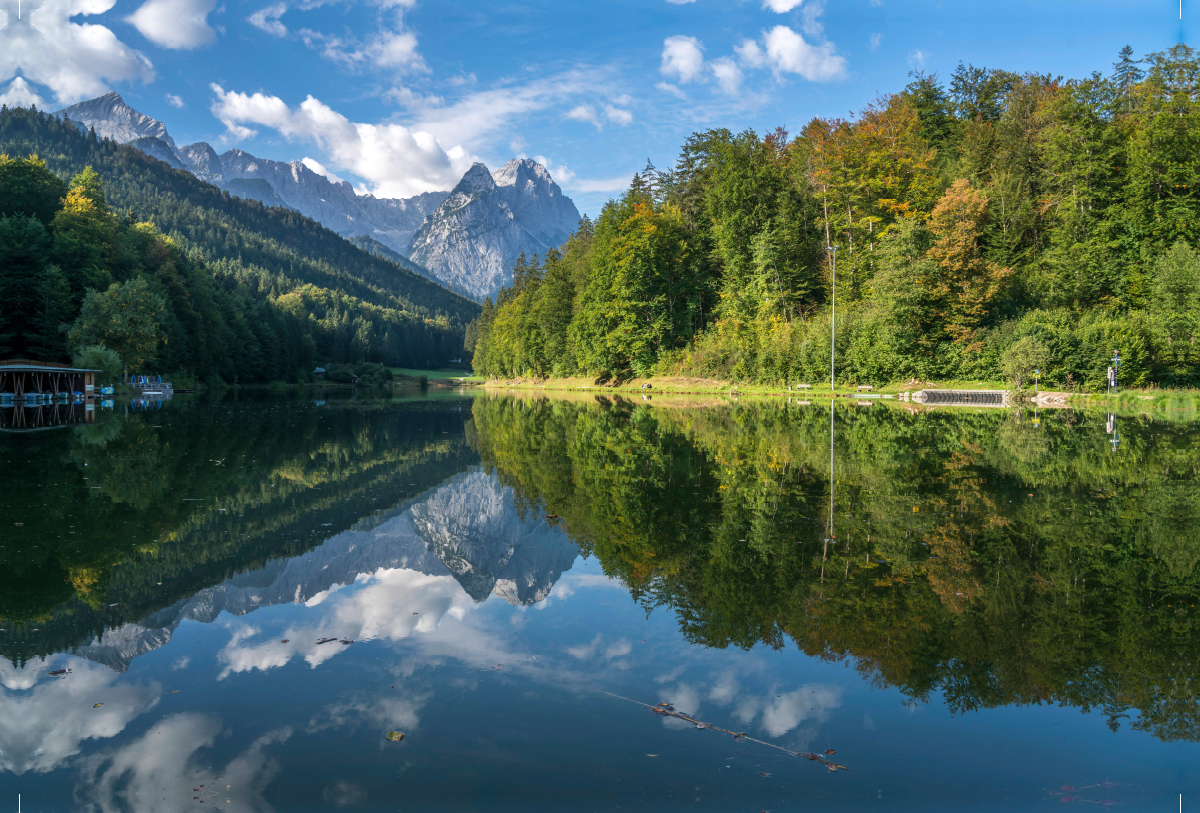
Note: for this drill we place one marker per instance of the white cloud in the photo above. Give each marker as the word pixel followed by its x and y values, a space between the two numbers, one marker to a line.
pixel 725 690
pixel 268 19
pixel 396 161
pixel 916 60
pixel 134 776
pixel 674 90
pixel 49 720
pixel 729 75
pixel 788 52
pixel 876 40
pixel 585 113
pixel 781 6
pixel 480 114
pixel 177 24
pixel 810 21
pixel 393 605
pixel 750 53
pixel 811 702
pixel 317 167
pixel 682 58
pixel 73 60
pixel 618 116
pixel 460 80
pixel 585 651
pixel 393 50
pixel 618 183
pixel 20 94
pixel 175 101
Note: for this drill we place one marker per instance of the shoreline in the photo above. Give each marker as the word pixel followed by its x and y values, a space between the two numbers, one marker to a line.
pixel 1149 399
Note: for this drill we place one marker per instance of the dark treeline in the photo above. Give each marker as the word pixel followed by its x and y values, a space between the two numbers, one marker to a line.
pixel 1000 224
pixel 248 293
pixel 294 476
pixel 981 556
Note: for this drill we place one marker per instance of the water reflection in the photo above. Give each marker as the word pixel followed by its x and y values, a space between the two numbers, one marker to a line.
pixel 479 569
pixel 978 556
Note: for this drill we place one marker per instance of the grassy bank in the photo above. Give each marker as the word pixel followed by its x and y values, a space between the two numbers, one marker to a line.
pixel 712 386
pixel 444 374
pixel 1131 400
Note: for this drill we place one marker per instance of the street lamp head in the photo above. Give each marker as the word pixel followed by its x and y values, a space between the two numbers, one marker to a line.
pixel 831 248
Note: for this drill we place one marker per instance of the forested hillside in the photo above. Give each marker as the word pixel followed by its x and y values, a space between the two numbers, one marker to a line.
pixel 1000 223
pixel 250 293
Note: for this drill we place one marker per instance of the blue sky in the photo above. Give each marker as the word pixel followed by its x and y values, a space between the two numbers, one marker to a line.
pixel 400 96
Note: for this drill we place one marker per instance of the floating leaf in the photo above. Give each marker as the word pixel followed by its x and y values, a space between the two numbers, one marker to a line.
pixel 325 640
pixel 395 736
pixel 284 641
pixel 830 751
pixel 98 705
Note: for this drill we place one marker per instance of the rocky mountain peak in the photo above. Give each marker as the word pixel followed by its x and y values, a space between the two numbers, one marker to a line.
pixel 114 119
pixel 477 181
pixel 521 171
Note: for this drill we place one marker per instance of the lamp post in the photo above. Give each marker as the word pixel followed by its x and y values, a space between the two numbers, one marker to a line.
pixel 833 320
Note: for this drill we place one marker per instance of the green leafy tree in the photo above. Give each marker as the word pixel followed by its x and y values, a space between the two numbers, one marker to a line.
pixel 99 357
pixel 1020 361
pixel 127 318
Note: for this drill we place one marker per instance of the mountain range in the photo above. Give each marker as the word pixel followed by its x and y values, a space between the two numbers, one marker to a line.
pixel 467 528
pixel 467 239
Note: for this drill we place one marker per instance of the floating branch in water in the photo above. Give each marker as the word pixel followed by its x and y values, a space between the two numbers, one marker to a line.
pixel 667 710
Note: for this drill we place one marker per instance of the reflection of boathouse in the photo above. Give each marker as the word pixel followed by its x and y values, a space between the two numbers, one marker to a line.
pixel 25 380
pixel 42 395
pixel 30 417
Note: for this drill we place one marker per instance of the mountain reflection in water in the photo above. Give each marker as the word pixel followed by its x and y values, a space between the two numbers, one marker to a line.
pixel 492 562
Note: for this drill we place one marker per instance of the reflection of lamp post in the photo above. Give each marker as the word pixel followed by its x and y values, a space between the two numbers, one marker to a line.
pixel 832 327
pixel 1035 381
pixel 829 537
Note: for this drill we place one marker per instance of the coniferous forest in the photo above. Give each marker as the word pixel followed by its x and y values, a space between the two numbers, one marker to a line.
pixel 984 227
pixel 103 246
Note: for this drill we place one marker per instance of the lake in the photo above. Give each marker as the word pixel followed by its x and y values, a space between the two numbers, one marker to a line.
pixel 469 601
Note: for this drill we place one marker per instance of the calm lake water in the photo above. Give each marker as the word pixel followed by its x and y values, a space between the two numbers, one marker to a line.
pixel 1002 617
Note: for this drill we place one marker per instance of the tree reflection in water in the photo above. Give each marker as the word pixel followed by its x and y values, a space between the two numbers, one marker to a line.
pixel 977 556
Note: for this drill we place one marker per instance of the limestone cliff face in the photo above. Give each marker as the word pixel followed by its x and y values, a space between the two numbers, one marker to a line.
pixel 476 235
pixel 467 528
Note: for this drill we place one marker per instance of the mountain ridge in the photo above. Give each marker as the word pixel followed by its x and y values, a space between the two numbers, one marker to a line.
pixel 469 247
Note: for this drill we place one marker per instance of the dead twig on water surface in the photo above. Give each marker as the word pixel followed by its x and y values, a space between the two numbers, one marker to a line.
pixel 667 710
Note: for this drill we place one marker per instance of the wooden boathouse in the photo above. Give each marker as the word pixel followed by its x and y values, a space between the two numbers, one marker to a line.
pixel 27 380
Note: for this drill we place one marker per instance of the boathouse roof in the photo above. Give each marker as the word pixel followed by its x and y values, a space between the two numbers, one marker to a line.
pixel 31 366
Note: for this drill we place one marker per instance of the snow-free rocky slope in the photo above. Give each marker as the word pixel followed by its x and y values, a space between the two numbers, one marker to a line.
pixel 466 239
pixel 490 219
